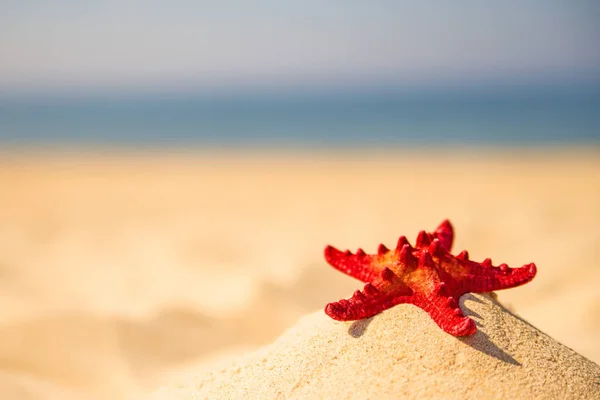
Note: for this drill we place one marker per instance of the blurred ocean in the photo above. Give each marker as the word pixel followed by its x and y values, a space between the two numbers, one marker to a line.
pixel 376 118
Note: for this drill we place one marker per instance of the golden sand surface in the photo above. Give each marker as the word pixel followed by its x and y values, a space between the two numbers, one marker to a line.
pixel 402 354
pixel 120 271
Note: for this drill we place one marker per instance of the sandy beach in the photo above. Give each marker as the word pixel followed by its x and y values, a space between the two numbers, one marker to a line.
pixel 400 353
pixel 127 273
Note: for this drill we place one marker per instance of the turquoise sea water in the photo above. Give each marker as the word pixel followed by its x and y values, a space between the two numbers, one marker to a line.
pixel 379 118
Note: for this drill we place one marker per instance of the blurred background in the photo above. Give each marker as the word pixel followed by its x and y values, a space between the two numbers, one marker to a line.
pixel 299 75
pixel 170 173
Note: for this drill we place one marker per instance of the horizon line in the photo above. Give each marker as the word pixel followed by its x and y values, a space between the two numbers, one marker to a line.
pixel 312 87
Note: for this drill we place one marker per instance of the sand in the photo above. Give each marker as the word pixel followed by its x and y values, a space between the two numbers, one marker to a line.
pixel 401 353
pixel 124 273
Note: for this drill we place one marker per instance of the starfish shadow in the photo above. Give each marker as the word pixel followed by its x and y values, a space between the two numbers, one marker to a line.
pixel 359 327
pixel 480 341
pixel 472 314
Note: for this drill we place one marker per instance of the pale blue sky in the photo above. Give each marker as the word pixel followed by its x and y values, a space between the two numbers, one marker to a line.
pixel 70 43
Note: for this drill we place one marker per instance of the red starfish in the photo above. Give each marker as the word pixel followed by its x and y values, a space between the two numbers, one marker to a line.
pixel 426 275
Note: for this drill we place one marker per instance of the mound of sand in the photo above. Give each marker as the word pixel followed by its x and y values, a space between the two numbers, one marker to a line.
pixel 401 353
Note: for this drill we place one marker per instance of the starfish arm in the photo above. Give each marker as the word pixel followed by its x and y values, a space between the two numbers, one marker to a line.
pixel 491 278
pixel 353 309
pixel 446 314
pixel 386 292
pixel 361 266
pixel 471 276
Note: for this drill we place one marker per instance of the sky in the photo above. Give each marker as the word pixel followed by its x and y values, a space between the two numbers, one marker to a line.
pixel 184 43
